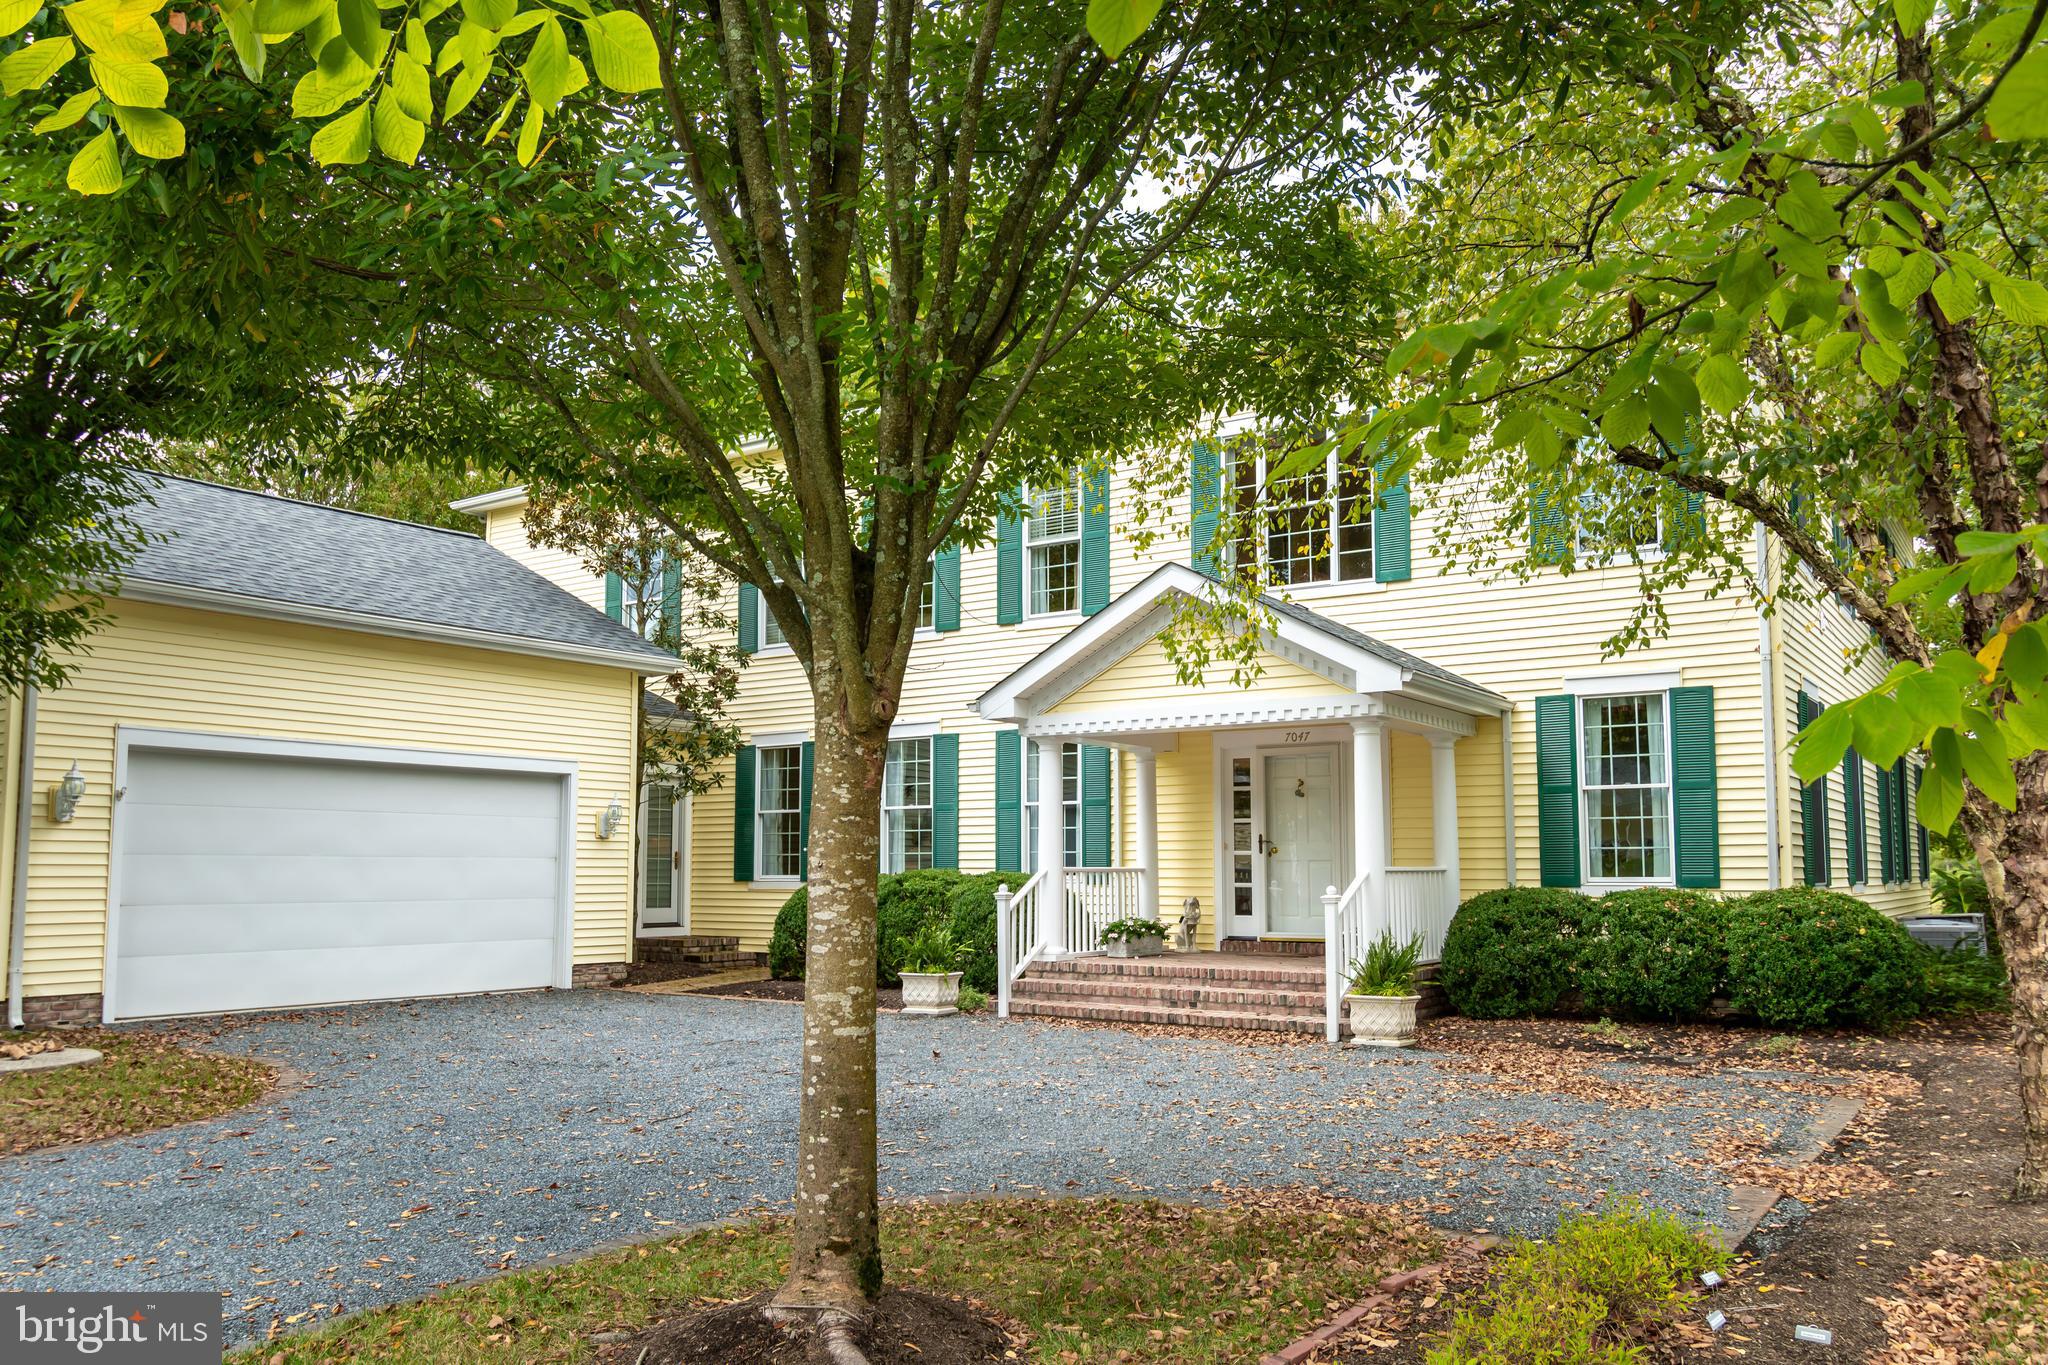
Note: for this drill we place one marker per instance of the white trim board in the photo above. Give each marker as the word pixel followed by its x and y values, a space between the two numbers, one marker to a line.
pixel 1615 684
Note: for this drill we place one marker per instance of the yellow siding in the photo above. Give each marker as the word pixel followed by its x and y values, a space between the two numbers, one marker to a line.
pixel 505 531
pixel 1146 674
pixel 189 670
pixel 1410 802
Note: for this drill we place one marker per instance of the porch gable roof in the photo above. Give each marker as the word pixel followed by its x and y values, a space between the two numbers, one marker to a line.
pixel 1353 661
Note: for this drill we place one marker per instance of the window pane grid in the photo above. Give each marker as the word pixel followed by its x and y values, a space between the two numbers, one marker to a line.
pixel 778 804
pixel 927 597
pixel 1070 803
pixel 1626 784
pixel 907 805
pixel 1300 527
pixel 1052 531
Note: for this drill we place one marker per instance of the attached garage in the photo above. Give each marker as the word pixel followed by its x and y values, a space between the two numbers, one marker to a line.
pixel 253 875
pixel 314 757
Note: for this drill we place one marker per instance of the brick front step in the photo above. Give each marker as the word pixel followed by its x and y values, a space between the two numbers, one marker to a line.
pixel 1109 1013
pixel 702 949
pixel 1270 947
pixel 1271 972
pixel 1169 994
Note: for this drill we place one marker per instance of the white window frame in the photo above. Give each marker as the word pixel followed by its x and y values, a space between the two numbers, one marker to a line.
pixel 892 860
pixel 1591 547
pixel 1586 787
pixel 647 626
pixel 762 812
pixel 1332 500
pixel 1034 543
pixel 768 631
pixel 928 599
pixel 1027 803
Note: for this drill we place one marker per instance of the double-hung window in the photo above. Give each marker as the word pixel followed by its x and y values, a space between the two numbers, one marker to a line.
pixel 1314 526
pixel 907 805
pixel 1625 788
pixel 778 811
pixel 1619 522
pixel 1070 805
pixel 928 597
pixel 1052 547
pixel 640 603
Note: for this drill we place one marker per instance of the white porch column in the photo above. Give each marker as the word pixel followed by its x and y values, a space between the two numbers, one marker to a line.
pixel 1052 850
pixel 1148 833
pixel 1369 815
pixel 1443 790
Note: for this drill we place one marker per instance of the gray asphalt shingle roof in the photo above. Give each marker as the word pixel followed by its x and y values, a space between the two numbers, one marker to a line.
pixel 230 540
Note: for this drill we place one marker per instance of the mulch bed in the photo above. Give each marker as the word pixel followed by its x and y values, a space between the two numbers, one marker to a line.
pixel 886 998
pixel 1919 1179
pixel 908 1326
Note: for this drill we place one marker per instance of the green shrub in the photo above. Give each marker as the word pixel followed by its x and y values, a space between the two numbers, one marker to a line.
pixel 1807 958
pixel 974 924
pixel 792 932
pixel 1589 1296
pixel 1963 982
pixel 1511 953
pixel 970 1000
pixel 1388 967
pixel 1653 954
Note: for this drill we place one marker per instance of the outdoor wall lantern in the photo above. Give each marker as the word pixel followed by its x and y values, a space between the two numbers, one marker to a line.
pixel 64 795
pixel 610 818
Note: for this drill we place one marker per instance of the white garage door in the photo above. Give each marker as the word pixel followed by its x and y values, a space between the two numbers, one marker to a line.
pixel 252 881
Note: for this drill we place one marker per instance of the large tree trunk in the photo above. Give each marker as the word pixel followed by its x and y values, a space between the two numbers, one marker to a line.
pixel 836 1262
pixel 2013 849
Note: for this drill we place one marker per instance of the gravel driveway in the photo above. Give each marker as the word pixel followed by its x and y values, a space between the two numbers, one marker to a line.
pixel 441 1140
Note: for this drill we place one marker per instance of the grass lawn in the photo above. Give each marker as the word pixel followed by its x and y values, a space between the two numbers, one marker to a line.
pixel 143 1082
pixel 2014 1328
pixel 1089 1279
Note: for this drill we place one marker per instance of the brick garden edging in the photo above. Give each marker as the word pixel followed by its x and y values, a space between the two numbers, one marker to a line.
pixel 1383 1293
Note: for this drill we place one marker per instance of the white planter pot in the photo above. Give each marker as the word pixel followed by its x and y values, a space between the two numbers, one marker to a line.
pixel 1383 1020
pixel 931 993
pixel 1151 945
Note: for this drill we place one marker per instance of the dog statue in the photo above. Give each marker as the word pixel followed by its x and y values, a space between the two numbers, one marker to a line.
pixel 1190 921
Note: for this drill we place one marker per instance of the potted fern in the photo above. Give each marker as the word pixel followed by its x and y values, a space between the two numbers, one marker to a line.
pixel 931 972
pixel 1134 938
pixel 1382 997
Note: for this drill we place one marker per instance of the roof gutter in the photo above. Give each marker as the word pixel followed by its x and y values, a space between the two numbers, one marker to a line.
pixel 479 503
pixel 242 604
pixel 24 815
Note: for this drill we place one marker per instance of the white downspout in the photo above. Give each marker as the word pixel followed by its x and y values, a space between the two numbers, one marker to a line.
pixel 1768 706
pixel 24 816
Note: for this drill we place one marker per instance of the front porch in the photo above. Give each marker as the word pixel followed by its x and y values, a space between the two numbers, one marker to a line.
pixel 1317 808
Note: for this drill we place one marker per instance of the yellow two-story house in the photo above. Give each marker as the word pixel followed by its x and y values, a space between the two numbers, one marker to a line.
pixel 1418 730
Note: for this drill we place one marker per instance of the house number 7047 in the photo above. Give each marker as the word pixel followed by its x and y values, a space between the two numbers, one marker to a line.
pixel 1298 736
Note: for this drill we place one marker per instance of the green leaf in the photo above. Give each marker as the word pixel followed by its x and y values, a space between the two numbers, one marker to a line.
pixel 1913 14
pixel 2026 660
pixel 491 14
pixel 139 85
pixel 1880 364
pixel 123 30
pixel 1902 95
pixel 463 88
pixel 529 134
pixel 622 51
pixel 1911 279
pixel 1959 667
pixel 289 16
pixel 1994 39
pixel 2026 724
pixel 1923 581
pixel 97 167
pixel 1991 542
pixel 250 49
pixel 2019 107
pixel 411 88
pixel 151 132
pixel 1722 382
pixel 30 68
pixel 551 74
pixel 15 14
pixel 2023 301
pixel 1543 446
pixel 1993 572
pixel 1837 348
pixel 1941 785
pixel 1796 253
pixel 398 133
pixel 1627 422
pixel 1116 24
pixel 359 25
pixel 1987 764
pixel 1806 209
pixel 1637 191
pixel 68 113
pixel 344 141
pixel 1884 731
pixel 1823 742
pixel 1956 295
pixel 1930 700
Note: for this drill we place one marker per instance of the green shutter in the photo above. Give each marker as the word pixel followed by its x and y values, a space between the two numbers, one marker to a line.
pixel 1095 850
pixel 1009 801
pixel 1095 540
pixel 743 815
pixel 1919 830
pixel 1390 528
pixel 1902 812
pixel 1009 569
pixel 1813 811
pixel 671 600
pixel 946 800
pixel 1887 824
pixel 946 589
pixel 1854 832
pixel 1557 789
pixel 803 807
pixel 1695 799
pixel 1549 542
pixel 614 597
pixel 750 618
pixel 1689 527
pixel 1205 494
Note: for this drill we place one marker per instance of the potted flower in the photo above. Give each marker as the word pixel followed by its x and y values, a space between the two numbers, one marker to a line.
pixel 930 971
pixel 1382 997
pixel 1134 938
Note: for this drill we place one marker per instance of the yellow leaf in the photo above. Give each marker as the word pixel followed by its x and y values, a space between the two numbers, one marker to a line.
pixel 97 167
pixel 125 30
pixel 346 140
pixel 1993 651
pixel 135 84
pixel 151 132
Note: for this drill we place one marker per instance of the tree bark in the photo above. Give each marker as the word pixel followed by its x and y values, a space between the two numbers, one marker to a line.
pixel 836 1262
pixel 2013 849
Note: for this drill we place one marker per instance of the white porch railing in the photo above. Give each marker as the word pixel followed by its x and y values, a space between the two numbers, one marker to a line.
pixel 1344 940
pixel 1095 896
pixel 1418 906
pixel 1017 942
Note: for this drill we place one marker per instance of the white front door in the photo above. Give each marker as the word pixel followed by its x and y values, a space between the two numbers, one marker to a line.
pixel 661 858
pixel 1298 845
